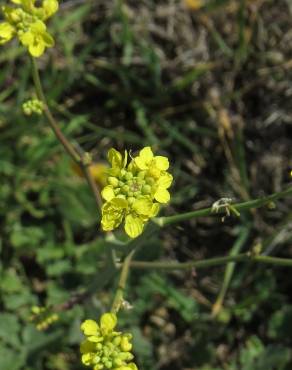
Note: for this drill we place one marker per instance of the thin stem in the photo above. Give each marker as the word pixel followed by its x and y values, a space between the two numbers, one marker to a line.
pixel 170 266
pixel 119 296
pixel 229 270
pixel 255 203
pixel 81 158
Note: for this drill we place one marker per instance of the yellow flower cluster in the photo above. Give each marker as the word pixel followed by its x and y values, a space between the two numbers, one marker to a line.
pixel 33 106
pixel 105 348
pixel 134 190
pixel 27 22
pixel 42 317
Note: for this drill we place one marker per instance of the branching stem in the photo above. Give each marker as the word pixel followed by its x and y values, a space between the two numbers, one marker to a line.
pixel 209 262
pixel 82 158
pixel 255 203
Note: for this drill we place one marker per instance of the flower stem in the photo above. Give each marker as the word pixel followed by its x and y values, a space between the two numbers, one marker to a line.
pixel 76 153
pixel 119 296
pixel 209 262
pixel 255 203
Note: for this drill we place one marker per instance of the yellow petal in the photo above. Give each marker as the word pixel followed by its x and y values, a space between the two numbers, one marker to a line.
pixel 143 206
pixel 108 322
pixel 87 346
pixel 161 163
pixel 6 32
pixel 111 221
pixel 36 49
pixel 38 27
pixel 48 39
pixel 87 358
pixel 115 158
pixel 146 153
pixel 50 7
pixel 89 327
pixel 154 210
pixel 108 193
pixel 144 158
pixel 162 195
pixel 133 226
pixel 119 203
pixel 165 180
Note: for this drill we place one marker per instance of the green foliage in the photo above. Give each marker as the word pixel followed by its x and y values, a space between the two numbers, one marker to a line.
pixel 116 80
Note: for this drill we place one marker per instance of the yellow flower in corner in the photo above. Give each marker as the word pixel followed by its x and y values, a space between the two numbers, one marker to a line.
pixel 105 348
pixel 135 190
pixel 27 22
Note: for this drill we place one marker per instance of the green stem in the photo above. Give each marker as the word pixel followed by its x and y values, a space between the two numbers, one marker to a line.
pixel 255 203
pixel 229 270
pixel 76 153
pixel 119 296
pixel 170 266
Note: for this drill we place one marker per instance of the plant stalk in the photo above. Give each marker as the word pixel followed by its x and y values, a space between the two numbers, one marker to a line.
pixel 81 158
pixel 255 203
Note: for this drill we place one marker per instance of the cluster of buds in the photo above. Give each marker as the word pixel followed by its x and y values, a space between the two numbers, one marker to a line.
pixel 135 190
pixel 105 348
pixel 33 106
pixel 42 317
pixel 27 22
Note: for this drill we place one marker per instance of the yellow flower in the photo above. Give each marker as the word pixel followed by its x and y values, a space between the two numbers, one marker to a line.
pixel 36 39
pixel 135 190
pixel 27 22
pixel 6 32
pixel 105 348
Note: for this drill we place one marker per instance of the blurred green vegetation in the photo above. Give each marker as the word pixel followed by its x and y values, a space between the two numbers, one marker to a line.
pixel 210 89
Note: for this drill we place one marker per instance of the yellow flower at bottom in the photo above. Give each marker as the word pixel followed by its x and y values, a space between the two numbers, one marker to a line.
pixel 134 191
pixel 105 348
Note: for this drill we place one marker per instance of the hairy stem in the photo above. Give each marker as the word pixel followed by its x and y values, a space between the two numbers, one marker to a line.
pixel 255 203
pixel 76 153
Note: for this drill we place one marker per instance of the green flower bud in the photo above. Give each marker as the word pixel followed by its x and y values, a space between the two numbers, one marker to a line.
pixel 128 176
pixel 150 180
pixel 117 340
pixel 146 189
pixel 125 344
pixel 141 174
pixel 113 181
pixel 125 188
pixel 117 190
pixel 131 200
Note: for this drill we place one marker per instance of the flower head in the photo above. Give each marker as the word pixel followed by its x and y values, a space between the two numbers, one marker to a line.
pixel 135 190
pixel 105 348
pixel 27 22
pixel 33 106
pixel 43 317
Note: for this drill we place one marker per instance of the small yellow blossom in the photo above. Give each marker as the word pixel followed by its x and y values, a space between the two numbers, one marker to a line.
pixel 135 190
pixel 27 22
pixel 105 348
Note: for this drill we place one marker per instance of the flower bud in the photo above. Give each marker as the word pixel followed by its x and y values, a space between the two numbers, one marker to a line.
pixel 113 181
